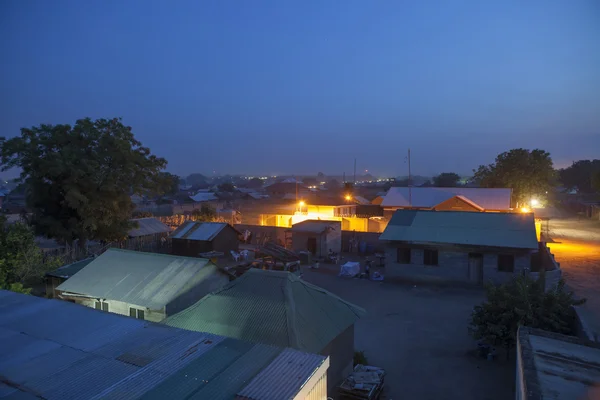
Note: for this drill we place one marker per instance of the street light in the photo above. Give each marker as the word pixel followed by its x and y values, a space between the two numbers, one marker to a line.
pixel 535 202
pixel 348 197
pixel 301 204
pixel 525 209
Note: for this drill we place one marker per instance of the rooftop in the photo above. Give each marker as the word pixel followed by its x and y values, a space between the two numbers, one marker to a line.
pixel 316 226
pixel 427 197
pixel 195 230
pixel 510 230
pixel 558 367
pixel 203 196
pixel 148 226
pixel 145 279
pixel 54 349
pixel 67 271
pixel 271 307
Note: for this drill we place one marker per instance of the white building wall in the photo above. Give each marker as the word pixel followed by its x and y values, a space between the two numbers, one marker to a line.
pixel 119 307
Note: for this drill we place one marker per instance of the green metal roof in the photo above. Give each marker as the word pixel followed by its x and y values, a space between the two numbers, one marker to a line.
pixel 510 230
pixel 271 307
pixel 145 279
pixel 67 271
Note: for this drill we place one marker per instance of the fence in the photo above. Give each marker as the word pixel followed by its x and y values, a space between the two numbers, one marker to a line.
pixel 158 243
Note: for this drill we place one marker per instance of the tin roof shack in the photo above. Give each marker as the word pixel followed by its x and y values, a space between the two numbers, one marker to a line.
pixel 148 227
pixel 279 309
pixel 551 366
pixel 459 246
pixel 317 236
pixel 439 198
pixel 193 238
pixel 54 279
pixel 53 349
pixel 147 286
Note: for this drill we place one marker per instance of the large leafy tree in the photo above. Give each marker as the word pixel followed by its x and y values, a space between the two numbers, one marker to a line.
pixel 528 173
pixel 522 301
pixel 79 178
pixel 446 179
pixel 580 175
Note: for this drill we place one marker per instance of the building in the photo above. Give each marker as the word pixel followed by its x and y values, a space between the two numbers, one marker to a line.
pixel 460 246
pixel 150 228
pixel 147 286
pixel 551 366
pixel 464 199
pixel 318 237
pixel 279 309
pixel 57 350
pixel 287 190
pixel 54 279
pixel 194 237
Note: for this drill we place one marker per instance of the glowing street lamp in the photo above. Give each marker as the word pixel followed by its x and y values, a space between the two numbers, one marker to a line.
pixel 525 209
pixel 348 197
pixel 301 204
pixel 534 202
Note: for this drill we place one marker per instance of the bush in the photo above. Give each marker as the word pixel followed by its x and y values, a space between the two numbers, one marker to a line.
pixel 522 301
pixel 360 358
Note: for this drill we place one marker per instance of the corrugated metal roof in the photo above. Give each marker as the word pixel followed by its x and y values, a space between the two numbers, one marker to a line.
pixel 145 279
pixel 195 230
pixel 90 354
pixel 203 196
pixel 316 226
pixel 427 197
pixel 148 226
pixel 511 230
pixel 271 307
pixel 67 271
pixel 282 377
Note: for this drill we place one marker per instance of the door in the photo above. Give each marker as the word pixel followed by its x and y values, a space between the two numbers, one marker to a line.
pixel 476 268
pixel 311 245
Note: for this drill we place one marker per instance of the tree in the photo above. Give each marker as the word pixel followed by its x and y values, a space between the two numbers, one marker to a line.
pixel 580 175
pixel 596 181
pixel 206 213
pixel 226 187
pixel 522 301
pixel 196 180
pixel 528 173
pixel 255 183
pixel 79 178
pixel 22 262
pixel 169 183
pixel 446 179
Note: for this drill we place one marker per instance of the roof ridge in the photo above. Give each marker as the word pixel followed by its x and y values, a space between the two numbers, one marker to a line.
pixel 148 253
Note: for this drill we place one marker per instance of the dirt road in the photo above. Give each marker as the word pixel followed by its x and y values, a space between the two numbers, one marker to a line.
pixel 578 252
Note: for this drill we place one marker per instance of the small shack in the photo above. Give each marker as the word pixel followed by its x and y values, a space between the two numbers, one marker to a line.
pixel 194 237
pixel 317 236
pixel 54 278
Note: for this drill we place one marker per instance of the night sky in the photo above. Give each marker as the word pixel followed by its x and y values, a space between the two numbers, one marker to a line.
pixel 273 87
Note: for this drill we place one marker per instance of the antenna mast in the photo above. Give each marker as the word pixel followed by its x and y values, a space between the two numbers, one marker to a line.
pixel 409 182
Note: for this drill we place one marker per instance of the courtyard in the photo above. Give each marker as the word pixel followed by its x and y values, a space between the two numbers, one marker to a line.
pixel 418 334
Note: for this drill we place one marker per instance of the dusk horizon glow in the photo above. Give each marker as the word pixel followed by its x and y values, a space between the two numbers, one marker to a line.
pixel 267 88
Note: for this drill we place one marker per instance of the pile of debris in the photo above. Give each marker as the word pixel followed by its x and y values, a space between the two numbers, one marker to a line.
pixel 366 382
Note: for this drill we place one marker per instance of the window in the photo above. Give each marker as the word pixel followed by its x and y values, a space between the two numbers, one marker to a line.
pixel 104 306
pixel 135 313
pixel 430 257
pixel 101 305
pixel 98 306
pixel 506 262
pixel 404 255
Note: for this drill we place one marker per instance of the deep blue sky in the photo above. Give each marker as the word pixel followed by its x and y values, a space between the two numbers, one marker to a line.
pixel 306 86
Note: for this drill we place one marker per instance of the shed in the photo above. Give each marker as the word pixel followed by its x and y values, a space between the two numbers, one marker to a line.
pixel 194 237
pixel 53 349
pixel 148 227
pixel 54 278
pixel 317 236
pixel 280 309
pixel 148 286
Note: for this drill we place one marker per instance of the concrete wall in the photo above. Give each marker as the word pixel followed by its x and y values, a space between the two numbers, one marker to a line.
pixel 277 234
pixel 341 357
pixel 453 265
pixel 520 389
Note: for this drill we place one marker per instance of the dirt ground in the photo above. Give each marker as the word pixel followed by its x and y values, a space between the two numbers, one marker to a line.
pixel 419 336
pixel 577 249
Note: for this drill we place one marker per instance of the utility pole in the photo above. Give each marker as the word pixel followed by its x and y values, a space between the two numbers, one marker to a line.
pixel 354 171
pixel 409 182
